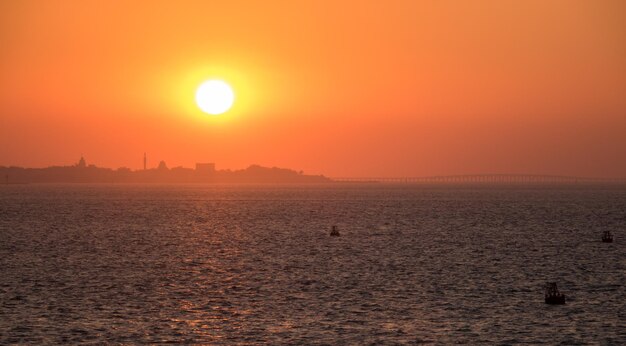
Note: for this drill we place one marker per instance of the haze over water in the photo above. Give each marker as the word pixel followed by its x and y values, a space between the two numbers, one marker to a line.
pixel 220 264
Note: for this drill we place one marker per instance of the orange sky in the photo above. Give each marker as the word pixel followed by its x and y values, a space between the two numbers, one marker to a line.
pixel 342 88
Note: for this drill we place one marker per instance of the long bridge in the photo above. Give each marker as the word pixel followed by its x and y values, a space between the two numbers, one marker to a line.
pixel 483 179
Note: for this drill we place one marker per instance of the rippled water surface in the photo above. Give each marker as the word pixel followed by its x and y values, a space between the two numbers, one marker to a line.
pixel 255 265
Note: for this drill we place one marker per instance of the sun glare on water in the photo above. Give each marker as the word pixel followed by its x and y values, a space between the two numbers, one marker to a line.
pixel 214 97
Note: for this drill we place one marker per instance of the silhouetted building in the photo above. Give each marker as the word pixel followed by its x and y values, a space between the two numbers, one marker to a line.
pixel 144 161
pixel 205 168
pixel 162 166
pixel 81 163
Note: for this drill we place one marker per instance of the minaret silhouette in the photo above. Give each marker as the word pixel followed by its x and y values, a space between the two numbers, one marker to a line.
pixel 144 161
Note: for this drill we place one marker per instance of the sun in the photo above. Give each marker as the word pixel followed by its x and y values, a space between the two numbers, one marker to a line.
pixel 215 97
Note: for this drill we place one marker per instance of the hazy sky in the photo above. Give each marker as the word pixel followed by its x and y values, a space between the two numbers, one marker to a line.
pixel 343 88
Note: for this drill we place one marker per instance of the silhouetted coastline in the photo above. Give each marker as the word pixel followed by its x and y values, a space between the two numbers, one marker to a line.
pixel 203 173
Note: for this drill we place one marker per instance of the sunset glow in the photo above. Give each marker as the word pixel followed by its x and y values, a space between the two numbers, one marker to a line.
pixel 350 88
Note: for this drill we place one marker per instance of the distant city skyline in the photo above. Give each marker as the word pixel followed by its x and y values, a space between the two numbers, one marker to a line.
pixel 209 169
pixel 487 176
pixel 84 172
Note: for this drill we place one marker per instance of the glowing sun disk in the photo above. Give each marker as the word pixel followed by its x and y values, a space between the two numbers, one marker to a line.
pixel 214 97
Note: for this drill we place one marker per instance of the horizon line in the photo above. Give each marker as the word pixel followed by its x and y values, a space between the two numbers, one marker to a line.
pixel 394 178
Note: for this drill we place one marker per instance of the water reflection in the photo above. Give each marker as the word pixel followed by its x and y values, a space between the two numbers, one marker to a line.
pixel 224 265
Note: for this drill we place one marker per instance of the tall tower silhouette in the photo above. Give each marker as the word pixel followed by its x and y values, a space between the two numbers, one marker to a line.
pixel 144 161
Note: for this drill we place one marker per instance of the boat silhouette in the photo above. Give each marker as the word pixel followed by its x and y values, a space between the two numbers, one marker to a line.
pixel 607 237
pixel 334 231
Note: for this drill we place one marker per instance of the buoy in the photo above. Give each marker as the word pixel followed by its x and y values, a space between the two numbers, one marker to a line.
pixel 552 295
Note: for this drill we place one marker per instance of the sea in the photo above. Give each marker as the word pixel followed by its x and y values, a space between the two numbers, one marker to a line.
pixel 255 264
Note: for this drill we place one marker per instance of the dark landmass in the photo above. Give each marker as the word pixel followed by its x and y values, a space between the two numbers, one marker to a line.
pixel 204 173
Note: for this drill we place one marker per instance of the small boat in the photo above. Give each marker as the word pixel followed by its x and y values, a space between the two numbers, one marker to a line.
pixel 607 237
pixel 334 232
pixel 553 296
